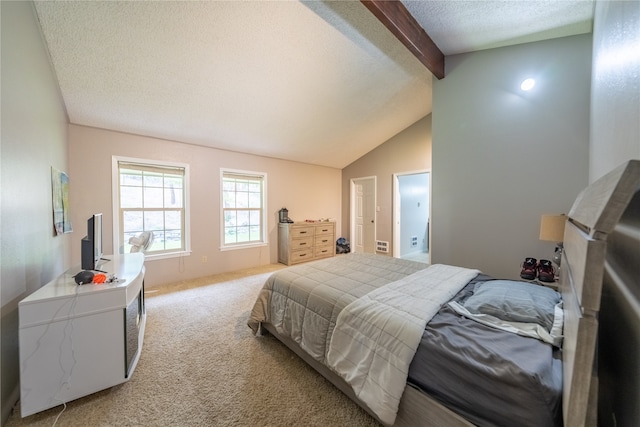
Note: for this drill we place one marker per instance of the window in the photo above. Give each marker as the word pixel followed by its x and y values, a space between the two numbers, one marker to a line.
pixel 243 208
pixel 151 196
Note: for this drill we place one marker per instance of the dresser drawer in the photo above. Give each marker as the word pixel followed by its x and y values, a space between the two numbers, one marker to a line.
pixel 322 230
pixel 296 244
pixel 301 256
pixel 322 252
pixel 323 240
pixel 297 232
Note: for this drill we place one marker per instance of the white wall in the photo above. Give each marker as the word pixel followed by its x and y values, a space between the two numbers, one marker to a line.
pixel 502 158
pixel 309 192
pixel 615 88
pixel 34 138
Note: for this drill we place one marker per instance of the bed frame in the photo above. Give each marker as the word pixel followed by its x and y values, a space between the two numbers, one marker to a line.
pixel 594 214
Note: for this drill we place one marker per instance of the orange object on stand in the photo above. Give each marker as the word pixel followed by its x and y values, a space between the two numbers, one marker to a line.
pixel 99 278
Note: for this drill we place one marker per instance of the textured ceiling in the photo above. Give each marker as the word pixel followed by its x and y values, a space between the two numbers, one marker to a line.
pixel 461 26
pixel 315 82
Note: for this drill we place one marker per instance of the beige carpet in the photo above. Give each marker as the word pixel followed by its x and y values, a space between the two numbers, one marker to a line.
pixel 201 366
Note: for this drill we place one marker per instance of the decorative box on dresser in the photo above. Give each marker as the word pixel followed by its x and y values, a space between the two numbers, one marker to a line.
pixel 306 241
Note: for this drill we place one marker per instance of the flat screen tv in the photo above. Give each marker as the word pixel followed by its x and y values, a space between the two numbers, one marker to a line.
pixel 91 247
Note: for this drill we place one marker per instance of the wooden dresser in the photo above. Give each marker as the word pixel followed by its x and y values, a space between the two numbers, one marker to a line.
pixel 305 241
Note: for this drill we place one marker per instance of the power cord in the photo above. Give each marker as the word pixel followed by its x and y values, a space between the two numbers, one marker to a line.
pixel 64 406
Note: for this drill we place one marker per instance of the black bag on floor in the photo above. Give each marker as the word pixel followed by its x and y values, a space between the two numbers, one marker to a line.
pixel 342 246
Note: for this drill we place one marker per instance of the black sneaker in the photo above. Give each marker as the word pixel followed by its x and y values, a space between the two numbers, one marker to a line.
pixel 545 271
pixel 529 269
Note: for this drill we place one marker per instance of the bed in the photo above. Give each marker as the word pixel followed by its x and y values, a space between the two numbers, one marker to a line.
pixel 404 353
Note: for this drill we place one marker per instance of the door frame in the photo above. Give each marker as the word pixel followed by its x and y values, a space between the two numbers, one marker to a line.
pixel 397 214
pixel 352 209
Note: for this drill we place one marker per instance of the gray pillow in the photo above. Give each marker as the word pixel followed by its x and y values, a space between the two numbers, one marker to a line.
pixel 515 301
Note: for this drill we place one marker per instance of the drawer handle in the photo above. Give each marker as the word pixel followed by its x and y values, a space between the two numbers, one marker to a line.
pixel 301 255
pixel 325 229
pixel 303 232
pixel 303 243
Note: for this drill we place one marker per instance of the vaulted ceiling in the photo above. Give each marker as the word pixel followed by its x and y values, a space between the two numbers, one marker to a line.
pixel 321 82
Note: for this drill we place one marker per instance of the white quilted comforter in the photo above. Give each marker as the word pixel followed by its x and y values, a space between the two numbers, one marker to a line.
pixel 376 336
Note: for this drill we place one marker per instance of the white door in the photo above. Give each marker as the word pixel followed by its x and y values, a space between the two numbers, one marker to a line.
pixel 363 214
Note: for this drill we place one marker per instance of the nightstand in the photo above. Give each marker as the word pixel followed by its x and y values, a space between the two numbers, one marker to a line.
pixel 553 285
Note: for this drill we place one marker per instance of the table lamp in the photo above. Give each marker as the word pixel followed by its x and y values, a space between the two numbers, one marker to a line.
pixel 552 230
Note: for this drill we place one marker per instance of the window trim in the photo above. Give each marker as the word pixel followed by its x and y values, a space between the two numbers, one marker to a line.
pixel 115 193
pixel 265 225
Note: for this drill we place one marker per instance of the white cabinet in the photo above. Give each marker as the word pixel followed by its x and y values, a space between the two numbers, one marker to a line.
pixel 79 339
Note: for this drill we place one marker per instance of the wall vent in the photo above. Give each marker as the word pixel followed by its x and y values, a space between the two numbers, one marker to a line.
pixel 382 246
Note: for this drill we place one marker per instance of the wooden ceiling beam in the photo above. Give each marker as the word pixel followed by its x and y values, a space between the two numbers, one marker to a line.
pixel 403 25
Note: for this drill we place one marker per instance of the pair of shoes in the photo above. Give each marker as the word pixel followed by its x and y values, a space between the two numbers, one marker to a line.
pixel 546 272
pixel 529 268
pixel 543 269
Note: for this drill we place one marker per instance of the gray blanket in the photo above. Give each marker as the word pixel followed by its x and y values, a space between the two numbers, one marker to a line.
pixel 313 294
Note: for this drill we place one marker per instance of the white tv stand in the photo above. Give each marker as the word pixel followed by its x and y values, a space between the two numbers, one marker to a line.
pixel 79 339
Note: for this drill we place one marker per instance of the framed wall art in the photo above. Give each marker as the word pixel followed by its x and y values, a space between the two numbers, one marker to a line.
pixel 60 197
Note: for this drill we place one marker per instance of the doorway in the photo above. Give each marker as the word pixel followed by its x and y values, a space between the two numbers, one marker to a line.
pixel 412 210
pixel 363 214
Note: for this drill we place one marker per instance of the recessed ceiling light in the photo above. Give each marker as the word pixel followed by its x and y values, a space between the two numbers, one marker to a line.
pixel 527 84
